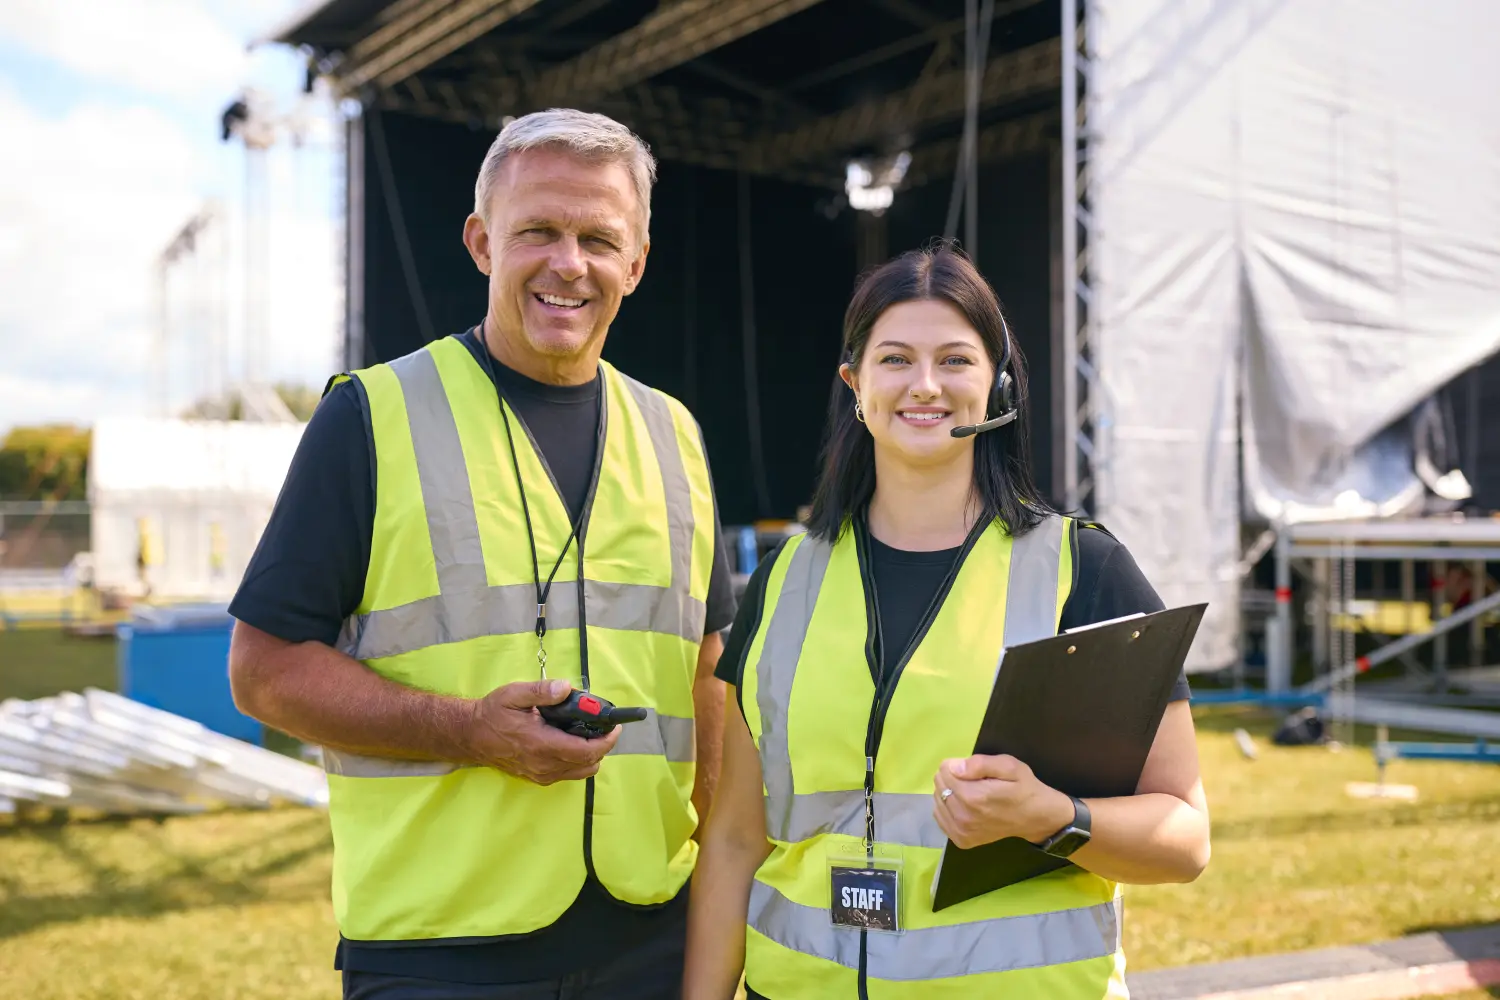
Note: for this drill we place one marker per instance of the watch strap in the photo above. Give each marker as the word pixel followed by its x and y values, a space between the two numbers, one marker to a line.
pixel 1073 835
pixel 1083 820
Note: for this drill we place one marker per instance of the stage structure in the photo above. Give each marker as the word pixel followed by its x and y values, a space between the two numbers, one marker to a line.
pixel 799 141
pixel 1241 241
pixel 1291 245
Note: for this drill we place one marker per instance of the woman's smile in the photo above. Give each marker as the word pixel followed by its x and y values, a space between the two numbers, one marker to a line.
pixel 923 416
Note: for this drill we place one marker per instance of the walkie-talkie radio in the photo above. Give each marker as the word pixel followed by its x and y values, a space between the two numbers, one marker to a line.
pixel 588 715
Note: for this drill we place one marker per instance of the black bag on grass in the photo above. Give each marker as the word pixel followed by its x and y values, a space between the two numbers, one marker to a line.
pixel 1303 728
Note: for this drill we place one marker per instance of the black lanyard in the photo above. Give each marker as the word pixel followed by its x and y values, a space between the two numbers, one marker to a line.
pixel 542 589
pixel 885 680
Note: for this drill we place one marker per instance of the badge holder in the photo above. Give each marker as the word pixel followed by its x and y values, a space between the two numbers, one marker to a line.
pixel 866 885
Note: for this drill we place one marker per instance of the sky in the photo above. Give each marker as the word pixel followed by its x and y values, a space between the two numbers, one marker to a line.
pixel 109 126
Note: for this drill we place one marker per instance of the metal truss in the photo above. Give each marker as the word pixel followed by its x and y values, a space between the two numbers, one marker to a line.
pixel 353 219
pixel 1083 400
pixel 497 89
pixel 937 98
pixel 711 125
pixel 749 135
pixel 674 34
pixel 1189 48
pixel 420 35
pixel 701 132
pixel 494 80
pixel 1003 141
pixel 711 132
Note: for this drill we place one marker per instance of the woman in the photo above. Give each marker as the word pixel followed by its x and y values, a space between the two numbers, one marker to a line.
pixel 862 661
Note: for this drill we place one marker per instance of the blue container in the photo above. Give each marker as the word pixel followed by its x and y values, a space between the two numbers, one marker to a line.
pixel 177 659
pixel 749 552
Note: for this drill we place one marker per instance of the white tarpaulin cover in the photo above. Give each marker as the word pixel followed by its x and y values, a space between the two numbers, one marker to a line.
pixel 1296 230
pixel 188 498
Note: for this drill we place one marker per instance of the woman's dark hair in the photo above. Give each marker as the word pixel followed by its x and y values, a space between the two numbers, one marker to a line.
pixel 1002 457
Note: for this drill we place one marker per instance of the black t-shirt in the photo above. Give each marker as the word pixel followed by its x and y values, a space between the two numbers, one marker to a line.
pixel 1106 584
pixel 308 574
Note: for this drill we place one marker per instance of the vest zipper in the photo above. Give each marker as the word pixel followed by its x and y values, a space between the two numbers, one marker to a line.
pixel 885 685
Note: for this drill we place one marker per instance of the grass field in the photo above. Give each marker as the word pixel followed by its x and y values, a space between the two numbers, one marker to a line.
pixel 235 905
pixel 1297 864
pixel 35 663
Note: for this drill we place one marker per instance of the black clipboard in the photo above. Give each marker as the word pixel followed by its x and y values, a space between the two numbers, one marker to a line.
pixel 1081 709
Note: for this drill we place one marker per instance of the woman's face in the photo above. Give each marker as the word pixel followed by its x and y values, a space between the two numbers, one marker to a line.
pixel 924 372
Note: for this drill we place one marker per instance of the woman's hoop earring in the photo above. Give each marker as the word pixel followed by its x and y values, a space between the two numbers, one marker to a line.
pixel 859 413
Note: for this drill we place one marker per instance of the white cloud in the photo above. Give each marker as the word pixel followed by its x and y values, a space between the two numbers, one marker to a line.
pixel 90 195
pixel 166 47
pixel 88 199
pixel 88 202
pixel 34 400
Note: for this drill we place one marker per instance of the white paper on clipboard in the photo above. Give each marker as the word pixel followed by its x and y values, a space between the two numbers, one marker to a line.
pixel 1122 618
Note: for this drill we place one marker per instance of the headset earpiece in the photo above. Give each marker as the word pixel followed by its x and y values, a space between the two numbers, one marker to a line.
pixel 1003 393
pixel 1002 405
pixel 1002 396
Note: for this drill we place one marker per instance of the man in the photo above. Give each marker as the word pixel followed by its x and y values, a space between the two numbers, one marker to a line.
pixel 419 591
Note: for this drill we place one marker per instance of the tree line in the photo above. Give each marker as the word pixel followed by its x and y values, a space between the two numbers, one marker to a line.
pixel 49 462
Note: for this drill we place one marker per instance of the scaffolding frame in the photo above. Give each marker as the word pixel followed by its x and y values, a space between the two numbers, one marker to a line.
pixel 1083 402
pixel 1409 540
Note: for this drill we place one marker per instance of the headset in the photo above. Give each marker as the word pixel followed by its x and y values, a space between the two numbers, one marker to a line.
pixel 1002 395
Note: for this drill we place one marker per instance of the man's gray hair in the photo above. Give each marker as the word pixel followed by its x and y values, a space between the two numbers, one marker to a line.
pixel 592 137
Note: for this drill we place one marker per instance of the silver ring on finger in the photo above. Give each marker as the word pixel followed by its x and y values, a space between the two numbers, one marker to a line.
pixel 943 796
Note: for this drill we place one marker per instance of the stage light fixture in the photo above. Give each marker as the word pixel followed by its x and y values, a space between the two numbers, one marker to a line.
pixel 871 184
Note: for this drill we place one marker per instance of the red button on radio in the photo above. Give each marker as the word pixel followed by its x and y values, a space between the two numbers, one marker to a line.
pixel 589 704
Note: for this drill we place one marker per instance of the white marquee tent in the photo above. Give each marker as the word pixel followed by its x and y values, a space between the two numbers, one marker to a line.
pixel 178 506
pixel 1291 221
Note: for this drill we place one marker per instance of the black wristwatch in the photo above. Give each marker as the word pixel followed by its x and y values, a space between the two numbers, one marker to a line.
pixel 1072 836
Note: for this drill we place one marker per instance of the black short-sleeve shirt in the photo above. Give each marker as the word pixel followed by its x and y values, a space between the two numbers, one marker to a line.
pixel 308 574
pixel 1107 584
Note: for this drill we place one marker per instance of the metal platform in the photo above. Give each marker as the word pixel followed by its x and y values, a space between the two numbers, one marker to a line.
pixel 1399 538
pixel 1437 540
pixel 1427 718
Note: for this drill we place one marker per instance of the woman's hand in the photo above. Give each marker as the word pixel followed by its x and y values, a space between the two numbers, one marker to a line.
pixel 994 798
pixel 1159 834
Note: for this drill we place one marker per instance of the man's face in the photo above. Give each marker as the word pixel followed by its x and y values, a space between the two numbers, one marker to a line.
pixel 561 252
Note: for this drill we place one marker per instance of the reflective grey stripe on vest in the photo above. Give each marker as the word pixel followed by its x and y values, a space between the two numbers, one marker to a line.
pixel 465 608
pixel 1030 613
pixel 673 478
pixel 511 610
pixel 904 818
pixel 1003 944
pixel 778 666
pixel 1031 594
pixel 669 735
pixel 451 521
pixel 353 765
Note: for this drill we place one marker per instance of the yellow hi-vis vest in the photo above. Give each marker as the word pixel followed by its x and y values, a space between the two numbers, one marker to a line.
pixel 807 696
pixel 431 850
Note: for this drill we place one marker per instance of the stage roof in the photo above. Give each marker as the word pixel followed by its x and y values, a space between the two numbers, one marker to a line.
pixel 780 88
